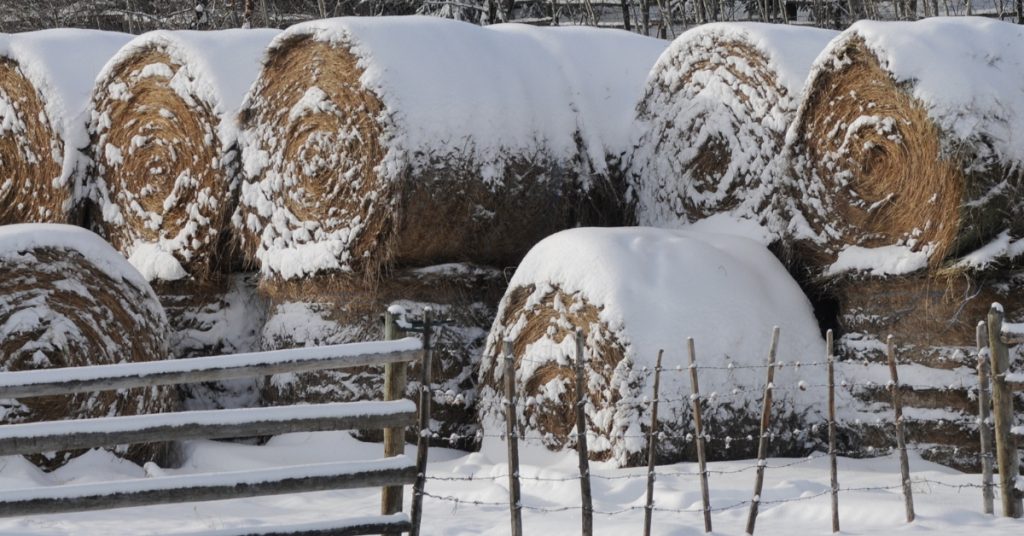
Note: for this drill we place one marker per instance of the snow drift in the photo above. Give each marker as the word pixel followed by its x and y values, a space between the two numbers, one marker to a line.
pixel 633 292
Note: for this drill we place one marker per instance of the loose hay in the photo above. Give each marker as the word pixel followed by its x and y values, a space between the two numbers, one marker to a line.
pixel 67 299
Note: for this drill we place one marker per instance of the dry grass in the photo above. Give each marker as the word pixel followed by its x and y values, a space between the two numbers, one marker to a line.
pixel 82 317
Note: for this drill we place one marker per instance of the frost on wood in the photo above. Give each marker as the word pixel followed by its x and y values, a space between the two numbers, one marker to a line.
pixel 712 122
pixel 634 291
pixel 68 299
pixel 45 80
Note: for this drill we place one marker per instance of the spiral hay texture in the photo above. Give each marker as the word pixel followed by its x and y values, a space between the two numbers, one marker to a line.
pixel 414 141
pixel 165 158
pixel 67 299
pixel 45 80
pixel 633 292
pixel 891 153
pixel 713 119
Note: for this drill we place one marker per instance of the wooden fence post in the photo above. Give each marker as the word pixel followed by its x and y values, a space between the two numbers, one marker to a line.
pixel 515 499
pixel 423 435
pixel 395 379
pixel 901 439
pixel 586 498
pixel 833 465
pixel 1002 412
pixel 698 425
pixel 652 448
pixel 984 420
pixel 762 446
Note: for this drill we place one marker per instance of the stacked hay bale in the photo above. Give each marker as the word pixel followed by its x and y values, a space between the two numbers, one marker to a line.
pixel 907 198
pixel 634 292
pixel 68 299
pixel 712 122
pixel 376 146
pixel 45 81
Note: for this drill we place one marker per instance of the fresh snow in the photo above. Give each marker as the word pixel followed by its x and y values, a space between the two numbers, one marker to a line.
pixel 880 261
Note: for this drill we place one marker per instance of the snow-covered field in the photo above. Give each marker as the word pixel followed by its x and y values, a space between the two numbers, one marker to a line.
pixel 799 485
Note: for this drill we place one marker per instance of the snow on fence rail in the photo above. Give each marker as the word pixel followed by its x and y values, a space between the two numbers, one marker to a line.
pixel 393 415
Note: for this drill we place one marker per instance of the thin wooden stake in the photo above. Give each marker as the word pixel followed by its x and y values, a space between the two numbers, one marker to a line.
pixel 984 421
pixel 423 439
pixel 586 498
pixel 901 438
pixel 1002 413
pixel 762 446
pixel 652 448
pixel 395 380
pixel 833 465
pixel 698 425
pixel 514 496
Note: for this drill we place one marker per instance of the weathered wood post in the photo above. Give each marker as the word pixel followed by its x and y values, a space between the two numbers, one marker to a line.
pixel 395 379
pixel 833 465
pixel 512 436
pixel 586 498
pixel 1002 412
pixel 762 445
pixel 901 438
pixel 698 425
pixel 652 448
pixel 423 437
pixel 984 420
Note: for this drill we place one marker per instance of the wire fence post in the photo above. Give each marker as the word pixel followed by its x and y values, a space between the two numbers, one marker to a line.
pixel 395 381
pixel 698 425
pixel 586 498
pixel 762 446
pixel 833 465
pixel 901 439
pixel 984 421
pixel 1002 412
pixel 652 448
pixel 515 500
pixel 423 437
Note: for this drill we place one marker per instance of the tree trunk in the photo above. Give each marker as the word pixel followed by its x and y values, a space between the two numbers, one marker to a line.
pixel 247 13
pixel 202 19
pixel 625 16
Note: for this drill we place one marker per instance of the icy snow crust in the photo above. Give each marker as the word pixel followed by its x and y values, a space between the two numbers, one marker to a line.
pixel 655 288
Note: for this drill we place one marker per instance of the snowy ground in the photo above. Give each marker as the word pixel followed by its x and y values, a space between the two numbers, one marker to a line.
pixel 941 509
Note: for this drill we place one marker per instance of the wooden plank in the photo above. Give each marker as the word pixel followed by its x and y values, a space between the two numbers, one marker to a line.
pixel 698 423
pixel 833 464
pixel 395 379
pixel 71 380
pixel 31 438
pixel 582 452
pixel 344 527
pixel 762 446
pixel 424 432
pixel 652 448
pixel 515 501
pixel 206 487
pixel 1003 417
pixel 901 440
pixel 984 420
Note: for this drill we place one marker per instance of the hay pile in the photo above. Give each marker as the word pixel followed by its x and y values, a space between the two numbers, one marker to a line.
pixel 45 80
pixel 67 299
pixel 414 141
pixel 893 155
pixel 712 124
pixel 165 170
pixel 633 291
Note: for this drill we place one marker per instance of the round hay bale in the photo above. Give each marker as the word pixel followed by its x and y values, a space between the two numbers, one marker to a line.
pixel 415 141
pixel 712 123
pixel 322 310
pixel 68 299
pixel 165 171
pixel 633 292
pixel 45 80
pixel 890 154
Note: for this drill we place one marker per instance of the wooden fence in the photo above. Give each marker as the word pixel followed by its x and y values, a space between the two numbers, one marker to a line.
pixel 393 415
pixel 1003 385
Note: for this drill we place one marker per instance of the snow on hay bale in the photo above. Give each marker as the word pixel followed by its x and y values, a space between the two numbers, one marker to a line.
pixel 164 135
pixel 894 157
pixel 45 80
pixel 712 122
pixel 422 141
pixel 68 299
pixel 634 291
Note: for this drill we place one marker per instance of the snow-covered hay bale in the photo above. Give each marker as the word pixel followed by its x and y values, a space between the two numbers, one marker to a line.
pixel 319 311
pixel 68 299
pixel 633 292
pixel 421 141
pixel 890 152
pixel 712 122
pixel 45 80
pixel 165 171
